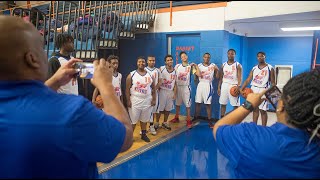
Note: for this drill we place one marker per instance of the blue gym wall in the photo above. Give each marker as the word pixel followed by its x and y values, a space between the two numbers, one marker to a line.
pixel 156 44
pixel 316 36
pixel 294 51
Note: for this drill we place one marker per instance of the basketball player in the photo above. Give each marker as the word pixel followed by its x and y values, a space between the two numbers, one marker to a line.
pixel 116 79
pixel 155 75
pixel 167 91
pixel 205 89
pixel 64 42
pixel 183 71
pixel 263 77
pixel 230 75
pixel 140 94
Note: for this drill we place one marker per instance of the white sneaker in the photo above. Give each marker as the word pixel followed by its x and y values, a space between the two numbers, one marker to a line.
pixel 152 130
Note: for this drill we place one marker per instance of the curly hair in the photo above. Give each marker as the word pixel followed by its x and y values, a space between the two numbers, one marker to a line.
pixel 301 95
pixel 62 39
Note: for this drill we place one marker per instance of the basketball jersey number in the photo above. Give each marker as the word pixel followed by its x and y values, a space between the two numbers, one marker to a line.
pixel 172 76
pixel 264 72
pixel 147 79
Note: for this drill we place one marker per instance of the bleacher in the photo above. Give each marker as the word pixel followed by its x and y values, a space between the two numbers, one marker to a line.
pixel 95 25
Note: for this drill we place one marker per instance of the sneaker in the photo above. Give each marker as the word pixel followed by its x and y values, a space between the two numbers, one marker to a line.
pixel 174 120
pixel 156 126
pixel 189 124
pixel 145 138
pixel 166 126
pixel 152 130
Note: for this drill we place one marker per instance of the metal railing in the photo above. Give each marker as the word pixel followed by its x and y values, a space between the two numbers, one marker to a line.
pixel 94 25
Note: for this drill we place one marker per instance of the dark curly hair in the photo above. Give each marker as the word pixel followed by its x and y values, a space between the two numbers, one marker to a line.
pixel 301 95
pixel 62 39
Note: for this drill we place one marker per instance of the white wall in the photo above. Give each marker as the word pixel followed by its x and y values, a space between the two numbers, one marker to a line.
pixel 191 20
pixel 253 9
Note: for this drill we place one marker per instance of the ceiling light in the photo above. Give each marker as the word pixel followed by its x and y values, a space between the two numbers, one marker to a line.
pixel 301 28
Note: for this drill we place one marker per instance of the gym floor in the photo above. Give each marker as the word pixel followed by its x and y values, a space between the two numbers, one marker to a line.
pixel 173 154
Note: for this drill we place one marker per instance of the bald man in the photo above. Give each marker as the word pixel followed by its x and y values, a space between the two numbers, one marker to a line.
pixel 44 134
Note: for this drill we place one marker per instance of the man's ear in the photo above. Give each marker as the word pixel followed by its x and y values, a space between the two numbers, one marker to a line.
pixel 31 60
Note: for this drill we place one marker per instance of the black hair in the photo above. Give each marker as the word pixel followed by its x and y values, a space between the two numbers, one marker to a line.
pixel 232 50
pixel 151 56
pixel 301 95
pixel 112 57
pixel 182 52
pixel 62 39
pixel 167 57
pixel 140 57
pixel 263 53
pixel 207 54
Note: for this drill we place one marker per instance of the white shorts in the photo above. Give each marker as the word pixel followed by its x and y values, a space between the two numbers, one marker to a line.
pixel 204 93
pixel 183 95
pixel 141 109
pixel 265 104
pixel 225 95
pixel 166 100
pixel 155 108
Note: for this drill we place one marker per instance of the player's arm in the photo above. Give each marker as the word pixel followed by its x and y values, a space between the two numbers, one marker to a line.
pixel 153 88
pixel 159 80
pixel 197 70
pixel 273 77
pixel 220 79
pixel 121 97
pixel 175 91
pixel 94 95
pixel 216 71
pixel 128 85
pixel 239 76
pixel 246 82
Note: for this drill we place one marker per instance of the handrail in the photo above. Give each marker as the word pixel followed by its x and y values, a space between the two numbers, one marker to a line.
pixel 90 8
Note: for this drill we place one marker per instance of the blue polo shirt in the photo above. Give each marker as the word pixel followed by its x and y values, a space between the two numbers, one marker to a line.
pixel 269 152
pixel 44 134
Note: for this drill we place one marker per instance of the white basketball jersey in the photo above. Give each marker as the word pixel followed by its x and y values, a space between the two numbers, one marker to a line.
pixel 183 74
pixel 168 78
pixel 154 73
pixel 116 82
pixel 261 77
pixel 207 72
pixel 141 84
pixel 72 86
pixel 230 73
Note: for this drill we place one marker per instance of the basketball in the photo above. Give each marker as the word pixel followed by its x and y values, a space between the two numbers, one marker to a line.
pixel 233 91
pixel 99 101
pixel 247 91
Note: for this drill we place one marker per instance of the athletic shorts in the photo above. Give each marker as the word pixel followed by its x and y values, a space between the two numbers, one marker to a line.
pixel 225 95
pixel 204 93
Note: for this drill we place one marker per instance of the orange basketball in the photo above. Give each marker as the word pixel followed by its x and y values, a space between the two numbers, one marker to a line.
pixel 247 91
pixel 233 91
pixel 99 101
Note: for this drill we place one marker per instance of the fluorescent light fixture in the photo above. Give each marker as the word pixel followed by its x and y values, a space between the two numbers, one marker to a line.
pixel 301 28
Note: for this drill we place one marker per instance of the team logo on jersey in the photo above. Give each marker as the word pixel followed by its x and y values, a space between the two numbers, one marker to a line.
pixel 183 76
pixel 228 74
pixel 206 75
pixel 259 79
pixel 141 88
pixel 166 84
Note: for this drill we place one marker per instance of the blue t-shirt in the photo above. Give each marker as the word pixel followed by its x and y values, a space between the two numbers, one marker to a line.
pixel 44 134
pixel 269 152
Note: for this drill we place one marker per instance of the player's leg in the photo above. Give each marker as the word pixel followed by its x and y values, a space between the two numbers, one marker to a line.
pixel 224 98
pixel 178 104
pixel 144 119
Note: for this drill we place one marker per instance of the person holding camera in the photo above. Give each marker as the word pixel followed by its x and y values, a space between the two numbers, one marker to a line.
pixel 287 149
pixel 46 134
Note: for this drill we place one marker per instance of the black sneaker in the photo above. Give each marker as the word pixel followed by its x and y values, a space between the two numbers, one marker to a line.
pixel 166 126
pixel 145 138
